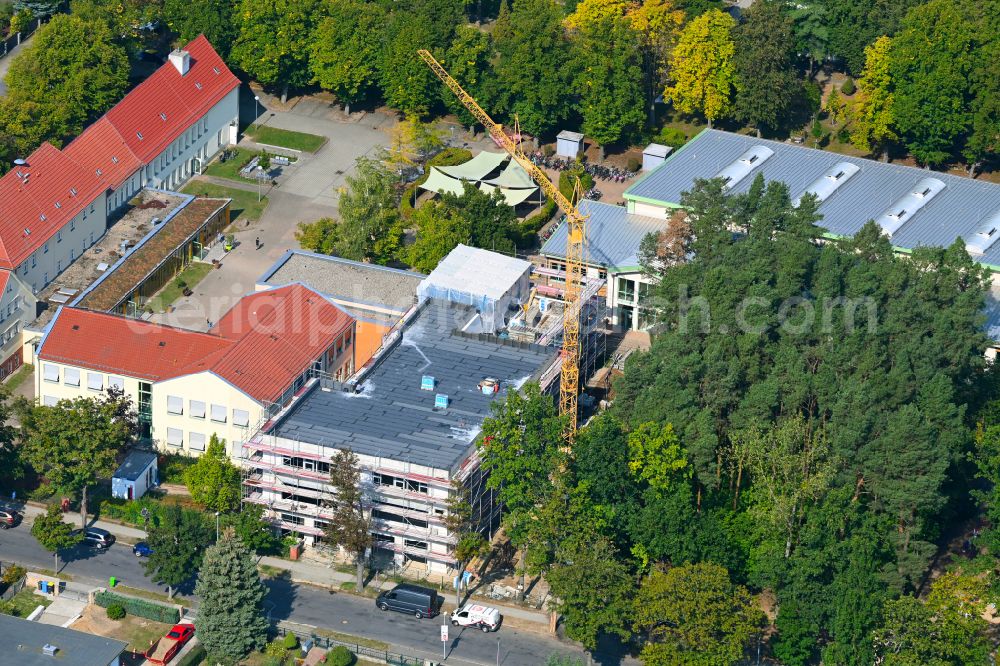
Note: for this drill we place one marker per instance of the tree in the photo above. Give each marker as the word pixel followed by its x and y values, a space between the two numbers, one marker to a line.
pixel 68 77
pixel 610 80
pixel 370 227
pixel 945 630
pixel 872 117
pixel 853 25
pixel 658 23
pixel 214 481
pixel 350 525
pixel 320 236
pixel 520 450
pixel 130 22
pixel 655 455
pixel 39 8
pixel 216 19
pixel 177 543
pixel 77 442
pixel 533 72
pixel 231 621
pixel 412 141
pixel 53 534
pixel 463 525
pixel 256 533
pixel 344 49
pixel 11 465
pixel 931 62
pixel 693 614
pixel 812 32
pixel 440 230
pixel 272 41
pixel 593 590
pixel 468 61
pixel 766 84
pixel 703 73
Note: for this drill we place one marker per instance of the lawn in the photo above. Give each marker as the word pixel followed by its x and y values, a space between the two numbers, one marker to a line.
pixel 273 136
pixel 230 168
pixel 19 377
pixel 245 205
pixel 25 601
pixel 192 274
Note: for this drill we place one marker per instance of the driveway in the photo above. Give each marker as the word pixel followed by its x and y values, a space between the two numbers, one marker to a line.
pixel 5 65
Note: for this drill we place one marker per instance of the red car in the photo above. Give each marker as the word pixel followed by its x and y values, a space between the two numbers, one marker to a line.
pixel 165 649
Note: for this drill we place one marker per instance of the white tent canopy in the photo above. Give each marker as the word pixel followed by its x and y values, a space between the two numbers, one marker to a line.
pixel 514 182
pixel 440 182
pixel 513 176
pixel 513 197
pixel 477 168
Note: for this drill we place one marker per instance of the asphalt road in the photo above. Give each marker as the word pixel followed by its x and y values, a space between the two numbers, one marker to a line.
pixel 308 605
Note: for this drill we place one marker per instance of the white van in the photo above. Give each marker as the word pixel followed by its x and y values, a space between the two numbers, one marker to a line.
pixel 474 615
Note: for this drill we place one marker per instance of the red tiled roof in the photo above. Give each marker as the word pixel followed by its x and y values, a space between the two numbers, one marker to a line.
pixel 163 106
pixel 101 152
pixel 53 174
pixel 39 198
pixel 260 346
pixel 4 277
pixel 279 334
pixel 130 347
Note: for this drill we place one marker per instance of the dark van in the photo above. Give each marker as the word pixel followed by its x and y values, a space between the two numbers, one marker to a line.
pixel 413 599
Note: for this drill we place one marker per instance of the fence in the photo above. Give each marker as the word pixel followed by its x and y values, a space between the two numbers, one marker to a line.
pixel 325 642
pixel 13 589
pixel 11 42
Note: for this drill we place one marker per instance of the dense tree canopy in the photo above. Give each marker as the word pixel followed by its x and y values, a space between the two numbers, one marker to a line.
pixel 702 73
pixel 766 81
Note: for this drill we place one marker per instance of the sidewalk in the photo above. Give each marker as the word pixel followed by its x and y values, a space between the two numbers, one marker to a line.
pixel 310 573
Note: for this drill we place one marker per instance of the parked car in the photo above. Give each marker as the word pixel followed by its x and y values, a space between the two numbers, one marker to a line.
pixel 9 518
pixel 95 537
pixel 142 549
pixel 413 599
pixel 165 649
pixel 475 615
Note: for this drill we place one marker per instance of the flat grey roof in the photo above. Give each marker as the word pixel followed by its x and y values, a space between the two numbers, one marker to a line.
pixel 347 282
pixel 957 211
pixel 135 465
pixel 392 417
pixel 22 643
pixel 613 236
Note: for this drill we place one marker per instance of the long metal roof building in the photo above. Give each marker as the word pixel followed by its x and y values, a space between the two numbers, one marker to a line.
pixel 913 206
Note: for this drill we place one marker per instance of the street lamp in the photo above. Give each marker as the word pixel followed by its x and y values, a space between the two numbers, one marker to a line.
pixel 256 107
pixel 216 526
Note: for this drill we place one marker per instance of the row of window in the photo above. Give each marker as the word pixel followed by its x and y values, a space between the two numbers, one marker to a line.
pixel 11 332
pixel 380 479
pixel 84 244
pixel 14 305
pixel 196 440
pixel 71 377
pixel 197 410
pixel 306 464
pixel 627 290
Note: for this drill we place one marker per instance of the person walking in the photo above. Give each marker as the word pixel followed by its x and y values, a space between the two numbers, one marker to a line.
pixel 257 242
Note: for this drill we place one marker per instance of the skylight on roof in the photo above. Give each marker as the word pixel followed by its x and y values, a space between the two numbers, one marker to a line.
pixel 985 235
pixel 114 159
pixel 907 206
pixel 98 172
pixel 58 205
pixel 139 134
pixel 744 165
pixel 197 84
pixel 216 70
pixel 42 217
pixel 824 186
pixel 163 116
pixel 72 191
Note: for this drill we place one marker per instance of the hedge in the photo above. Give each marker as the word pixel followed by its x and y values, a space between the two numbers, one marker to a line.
pixel 130 511
pixel 141 607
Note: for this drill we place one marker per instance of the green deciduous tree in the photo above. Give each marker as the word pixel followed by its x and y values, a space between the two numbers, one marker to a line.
pixel 178 542
pixel 766 82
pixel 216 19
pixel 468 61
pixel 350 526
pixel 39 7
pixel 872 118
pixel 214 481
pixel 702 69
pixel 53 534
pixel 856 24
pixel 11 465
pixel 656 455
pixel 131 23
pixel 77 442
pixel 256 533
pixel 532 74
pixel 812 32
pixel 231 620
pixel 370 226
pixel 320 236
pixel 272 45
pixel 345 48
pixel 464 525
pixel 694 615
pixel 439 230
pixel 69 76
pixel 520 448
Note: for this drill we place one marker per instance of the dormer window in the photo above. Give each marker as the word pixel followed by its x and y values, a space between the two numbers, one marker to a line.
pixel 216 70
pixel 73 192
pixel 197 85
pixel 42 217
pixel 98 172
pixel 58 205
pixel 114 159
pixel 139 134
pixel 163 116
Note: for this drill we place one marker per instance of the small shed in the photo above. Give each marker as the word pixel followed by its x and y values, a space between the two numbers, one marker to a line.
pixel 136 475
pixel 569 144
pixel 654 155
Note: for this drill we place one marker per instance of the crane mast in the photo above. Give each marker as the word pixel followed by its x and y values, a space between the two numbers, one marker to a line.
pixel 569 381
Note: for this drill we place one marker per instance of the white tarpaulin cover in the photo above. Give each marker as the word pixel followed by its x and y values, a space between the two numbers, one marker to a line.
pixel 488 281
pixel 513 176
pixel 440 182
pixel 513 197
pixel 477 168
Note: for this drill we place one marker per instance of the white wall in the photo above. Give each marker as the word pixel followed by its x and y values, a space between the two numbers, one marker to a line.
pixel 180 160
pixel 49 391
pixel 65 246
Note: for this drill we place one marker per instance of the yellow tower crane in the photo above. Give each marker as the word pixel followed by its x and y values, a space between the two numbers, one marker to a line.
pixel 569 382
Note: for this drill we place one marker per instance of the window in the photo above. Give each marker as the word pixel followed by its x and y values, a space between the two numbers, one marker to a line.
pixel 33 261
pixel 59 236
pixel 380 479
pixel 219 413
pixel 95 381
pixel 175 405
pixel 410 543
pixel 72 224
pixel 626 290
pixel 45 249
pixel 196 441
pixel 241 417
pixel 292 518
pixel 175 436
pixel 116 382
pixel 645 291
pixel 49 401
pixel 71 377
pixel 197 409
pixel 306 464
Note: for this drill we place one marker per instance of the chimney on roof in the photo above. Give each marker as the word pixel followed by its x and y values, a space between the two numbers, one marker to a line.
pixel 181 60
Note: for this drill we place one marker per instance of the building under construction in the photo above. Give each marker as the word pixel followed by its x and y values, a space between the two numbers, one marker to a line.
pixel 412 415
